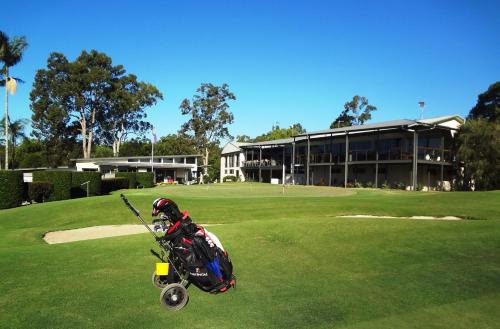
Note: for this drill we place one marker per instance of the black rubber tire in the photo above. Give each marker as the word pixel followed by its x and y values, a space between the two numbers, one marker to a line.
pixel 159 281
pixel 174 297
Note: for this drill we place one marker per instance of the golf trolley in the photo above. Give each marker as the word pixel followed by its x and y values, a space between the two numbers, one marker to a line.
pixel 179 267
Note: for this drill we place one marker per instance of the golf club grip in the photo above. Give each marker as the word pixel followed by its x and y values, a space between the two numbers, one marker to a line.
pixel 127 203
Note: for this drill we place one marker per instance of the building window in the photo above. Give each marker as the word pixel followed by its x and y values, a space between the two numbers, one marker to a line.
pixel 191 160
pixel 358 170
pixel 231 171
pixel 237 173
pixel 336 170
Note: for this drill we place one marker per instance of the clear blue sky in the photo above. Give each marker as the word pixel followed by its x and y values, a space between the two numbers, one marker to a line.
pixel 286 61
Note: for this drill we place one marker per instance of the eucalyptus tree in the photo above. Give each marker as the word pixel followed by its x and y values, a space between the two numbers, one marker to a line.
pixel 88 98
pixel 279 133
pixel 356 112
pixel 210 117
pixel 488 104
pixel 125 111
pixel 11 53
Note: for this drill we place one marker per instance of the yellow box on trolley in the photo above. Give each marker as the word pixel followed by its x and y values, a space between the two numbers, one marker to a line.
pixel 162 268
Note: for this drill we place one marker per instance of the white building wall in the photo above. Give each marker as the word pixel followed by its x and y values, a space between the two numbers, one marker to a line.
pixel 222 167
pixel 80 166
pixel 234 165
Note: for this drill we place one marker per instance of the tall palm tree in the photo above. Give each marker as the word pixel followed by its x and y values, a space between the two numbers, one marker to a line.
pixel 11 53
pixel 16 130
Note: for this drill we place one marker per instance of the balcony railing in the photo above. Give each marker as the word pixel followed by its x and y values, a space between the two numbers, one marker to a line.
pixel 263 163
pixel 434 154
pixel 320 157
pixel 396 153
pixel 393 154
pixel 362 155
pixel 300 159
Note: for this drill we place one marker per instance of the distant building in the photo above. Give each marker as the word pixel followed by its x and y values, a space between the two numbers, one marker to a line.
pixel 401 152
pixel 179 168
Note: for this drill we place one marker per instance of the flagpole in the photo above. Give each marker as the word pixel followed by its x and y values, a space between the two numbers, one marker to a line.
pixel 153 140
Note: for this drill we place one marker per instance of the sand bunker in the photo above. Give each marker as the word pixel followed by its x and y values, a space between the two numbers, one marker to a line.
pixel 95 232
pixel 411 217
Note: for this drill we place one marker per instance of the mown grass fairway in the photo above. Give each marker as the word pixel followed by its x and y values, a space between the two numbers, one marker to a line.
pixel 298 265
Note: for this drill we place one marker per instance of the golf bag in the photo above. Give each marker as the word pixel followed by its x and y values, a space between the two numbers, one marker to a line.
pixel 193 256
pixel 200 253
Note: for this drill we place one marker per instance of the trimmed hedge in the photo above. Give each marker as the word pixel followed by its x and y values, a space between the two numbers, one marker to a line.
pixel 80 177
pixel 39 191
pixel 145 179
pixel 113 184
pixel 61 180
pixel 230 179
pixel 132 181
pixel 11 189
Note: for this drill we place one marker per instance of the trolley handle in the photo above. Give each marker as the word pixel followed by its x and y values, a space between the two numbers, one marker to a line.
pixel 136 213
pixel 127 203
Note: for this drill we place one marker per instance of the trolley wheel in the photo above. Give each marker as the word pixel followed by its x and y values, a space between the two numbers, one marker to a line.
pixel 174 297
pixel 159 281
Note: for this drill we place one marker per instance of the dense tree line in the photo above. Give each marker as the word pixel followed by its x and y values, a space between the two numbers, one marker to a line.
pixel 90 107
pixel 275 133
pixel 478 143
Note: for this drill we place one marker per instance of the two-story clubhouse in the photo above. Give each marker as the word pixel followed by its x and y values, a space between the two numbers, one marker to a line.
pixel 403 152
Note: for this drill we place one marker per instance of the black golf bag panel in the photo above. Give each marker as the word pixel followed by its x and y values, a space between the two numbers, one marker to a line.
pixel 202 249
pixel 209 268
pixel 205 278
pixel 226 265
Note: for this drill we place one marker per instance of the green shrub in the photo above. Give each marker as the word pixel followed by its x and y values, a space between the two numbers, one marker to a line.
pixel 132 181
pixel 39 191
pixel 11 189
pixel 401 186
pixel 230 178
pixel 358 185
pixel 113 184
pixel 79 177
pixel 145 179
pixel 369 184
pixel 61 181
